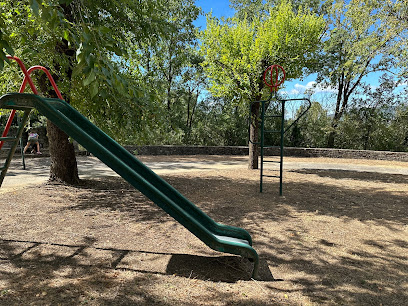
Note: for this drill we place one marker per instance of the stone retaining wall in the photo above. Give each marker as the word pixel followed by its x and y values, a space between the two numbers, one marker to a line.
pixel 288 151
pixel 242 150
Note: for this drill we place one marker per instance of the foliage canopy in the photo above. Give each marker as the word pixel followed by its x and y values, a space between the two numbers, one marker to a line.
pixel 237 51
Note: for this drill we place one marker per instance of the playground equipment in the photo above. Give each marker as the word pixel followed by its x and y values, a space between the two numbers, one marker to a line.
pixel 273 82
pixel 22 122
pixel 219 237
pixel 20 141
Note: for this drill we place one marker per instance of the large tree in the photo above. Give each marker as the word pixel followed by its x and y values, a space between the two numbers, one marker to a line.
pixel 172 53
pixel 84 44
pixel 165 63
pixel 362 39
pixel 252 8
pixel 238 51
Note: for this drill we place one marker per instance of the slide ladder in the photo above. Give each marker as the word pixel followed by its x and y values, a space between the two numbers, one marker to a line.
pixel 219 237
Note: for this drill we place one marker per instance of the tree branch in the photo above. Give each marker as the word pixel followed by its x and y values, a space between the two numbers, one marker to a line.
pixel 231 73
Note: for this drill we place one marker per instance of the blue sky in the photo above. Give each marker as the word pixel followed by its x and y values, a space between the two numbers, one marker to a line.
pixel 219 8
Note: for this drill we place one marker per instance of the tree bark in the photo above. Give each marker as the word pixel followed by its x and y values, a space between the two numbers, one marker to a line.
pixel 63 161
pixel 253 137
pixel 330 139
pixel 253 145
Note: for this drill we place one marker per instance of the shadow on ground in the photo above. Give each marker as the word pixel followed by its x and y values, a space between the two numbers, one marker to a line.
pixel 356 175
pixel 229 269
pixel 351 276
pixel 364 204
pixel 331 243
pixel 37 275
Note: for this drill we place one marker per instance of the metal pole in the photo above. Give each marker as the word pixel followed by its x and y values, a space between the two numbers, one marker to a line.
pixel 21 144
pixel 13 148
pixel 262 141
pixel 22 152
pixel 281 147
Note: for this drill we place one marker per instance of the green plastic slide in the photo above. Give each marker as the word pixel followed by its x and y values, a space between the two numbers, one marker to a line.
pixel 219 237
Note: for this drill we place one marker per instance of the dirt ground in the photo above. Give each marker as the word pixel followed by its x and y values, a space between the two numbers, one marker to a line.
pixel 338 236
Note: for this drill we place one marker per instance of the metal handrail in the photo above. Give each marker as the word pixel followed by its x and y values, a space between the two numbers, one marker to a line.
pixel 27 79
pixel 301 115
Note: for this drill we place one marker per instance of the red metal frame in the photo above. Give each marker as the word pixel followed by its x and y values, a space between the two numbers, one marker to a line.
pixel 275 83
pixel 27 79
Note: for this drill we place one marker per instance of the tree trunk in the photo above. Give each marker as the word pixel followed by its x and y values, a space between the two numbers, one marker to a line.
pixel 253 137
pixel 343 94
pixel 63 161
pixel 369 126
pixel 332 134
pixel 336 118
pixel 330 139
pixel 168 97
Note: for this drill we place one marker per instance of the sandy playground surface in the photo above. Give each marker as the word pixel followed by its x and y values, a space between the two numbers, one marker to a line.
pixel 339 235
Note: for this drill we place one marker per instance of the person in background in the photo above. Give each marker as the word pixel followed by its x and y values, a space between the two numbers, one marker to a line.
pixel 32 140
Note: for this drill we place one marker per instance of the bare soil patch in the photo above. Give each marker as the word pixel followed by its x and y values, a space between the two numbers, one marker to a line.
pixel 336 237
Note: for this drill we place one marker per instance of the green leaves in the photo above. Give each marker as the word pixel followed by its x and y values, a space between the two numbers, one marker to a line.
pixel 35 6
pixel 4 44
pixel 238 51
pixel 5 48
pixel 85 45
pixel 90 78
pixel 94 88
pixel 363 38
